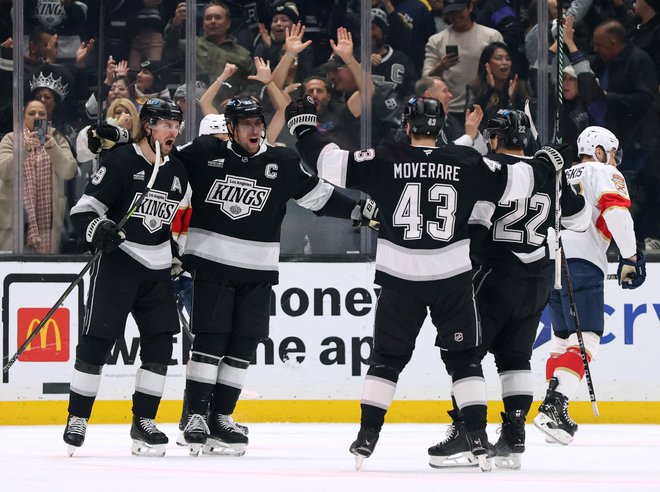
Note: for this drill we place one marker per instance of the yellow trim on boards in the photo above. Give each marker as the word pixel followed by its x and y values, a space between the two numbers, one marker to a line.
pixel 402 411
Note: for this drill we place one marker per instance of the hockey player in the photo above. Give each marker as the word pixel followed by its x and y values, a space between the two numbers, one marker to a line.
pixel 240 192
pixel 132 274
pixel 597 179
pixel 508 248
pixel 425 195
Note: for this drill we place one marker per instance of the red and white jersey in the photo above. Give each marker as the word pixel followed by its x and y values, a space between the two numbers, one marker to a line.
pixel 605 189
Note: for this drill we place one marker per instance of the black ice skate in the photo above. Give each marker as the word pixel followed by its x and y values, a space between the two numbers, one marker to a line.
pixel 480 448
pixel 511 443
pixel 553 418
pixel 225 437
pixel 364 445
pixel 454 450
pixel 147 439
pixel 194 434
pixel 74 433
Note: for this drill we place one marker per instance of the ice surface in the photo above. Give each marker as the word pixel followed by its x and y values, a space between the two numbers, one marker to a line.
pixel 315 458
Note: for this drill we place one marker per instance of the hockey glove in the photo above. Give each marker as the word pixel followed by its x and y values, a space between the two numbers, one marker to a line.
pixel 105 136
pixel 177 253
pixel 556 155
pixel 366 213
pixel 104 234
pixel 301 116
pixel 631 274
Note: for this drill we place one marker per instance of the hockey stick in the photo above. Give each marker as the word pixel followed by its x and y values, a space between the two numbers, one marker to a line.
pixel 99 79
pixel 89 264
pixel 558 140
pixel 578 332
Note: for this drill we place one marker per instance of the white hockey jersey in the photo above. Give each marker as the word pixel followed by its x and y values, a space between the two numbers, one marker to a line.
pixel 605 189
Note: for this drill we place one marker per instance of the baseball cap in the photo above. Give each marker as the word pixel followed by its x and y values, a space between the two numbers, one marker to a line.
pixel 570 71
pixel 455 6
pixel 379 17
pixel 334 63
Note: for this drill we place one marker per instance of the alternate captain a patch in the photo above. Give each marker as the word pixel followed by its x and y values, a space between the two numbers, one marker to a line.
pixel 238 197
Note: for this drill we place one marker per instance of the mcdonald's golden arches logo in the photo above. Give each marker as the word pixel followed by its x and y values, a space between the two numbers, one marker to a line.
pixel 52 342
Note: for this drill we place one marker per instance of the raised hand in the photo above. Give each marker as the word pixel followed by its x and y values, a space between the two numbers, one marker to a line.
pixel 513 86
pixel 227 72
pixel 473 120
pixel 344 46
pixel 51 49
pixel 293 43
pixel 83 52
pixel 179 15
pixel 490 80
pixel 265 35
pixel 263 74
pixel 122 69
pixel 376 59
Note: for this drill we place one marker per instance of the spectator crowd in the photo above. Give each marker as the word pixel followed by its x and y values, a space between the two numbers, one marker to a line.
pixel 475 56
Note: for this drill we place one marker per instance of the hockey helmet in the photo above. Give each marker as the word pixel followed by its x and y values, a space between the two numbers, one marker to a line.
pixel 240 108
pixel 511 127
pixel 425 115
pixel 212 124
pixel 593 137
pixel 160 109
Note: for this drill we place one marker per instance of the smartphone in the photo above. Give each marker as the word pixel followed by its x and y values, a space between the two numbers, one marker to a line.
pixel 41 128
pixel 452 50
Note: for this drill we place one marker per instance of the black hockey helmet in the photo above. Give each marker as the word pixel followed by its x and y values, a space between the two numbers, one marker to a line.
pixel 511 126
pixel 240 108
pixel 160 109
pixel 425 115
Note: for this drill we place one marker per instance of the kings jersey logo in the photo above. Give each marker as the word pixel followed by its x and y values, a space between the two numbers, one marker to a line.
pixel 238 197
pixel 156 210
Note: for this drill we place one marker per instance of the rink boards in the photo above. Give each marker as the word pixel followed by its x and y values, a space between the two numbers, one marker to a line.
pixel 311 369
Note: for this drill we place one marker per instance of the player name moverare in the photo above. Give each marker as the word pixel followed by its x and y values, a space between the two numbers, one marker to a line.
pixel 406 170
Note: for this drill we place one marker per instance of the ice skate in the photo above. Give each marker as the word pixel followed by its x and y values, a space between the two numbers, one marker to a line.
pixel 147 439
pixel 74 433
pixel 364 445
pixel 225 437
pixel 481 449
pixel 454 450
pixel 553 418
pixel 194 434
pixel 511 443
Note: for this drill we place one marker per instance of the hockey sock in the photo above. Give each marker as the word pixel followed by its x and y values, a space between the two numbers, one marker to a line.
pixel 201 376
pixel 377 395
pixel 517 389
pixel 84 388
pixel 469 390
pixel 149 385
pixel 569 371
pixel 550 366
pixel 232 373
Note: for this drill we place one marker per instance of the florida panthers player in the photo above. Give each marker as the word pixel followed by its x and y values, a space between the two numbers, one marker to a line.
pixel 597 179
pixel 508 247
pixel 132 274
pixel 426 195
pixel 240 191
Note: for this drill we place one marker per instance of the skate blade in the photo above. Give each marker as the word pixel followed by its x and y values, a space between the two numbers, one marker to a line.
pixel 509 462
pixel 359 461
pixel 545 424
pixel 220 448
pixel 181 440
pixel 140 448
pixel 484 463
pixel 550 440
pixel 194 448
pixel 70 449
pixel 458 460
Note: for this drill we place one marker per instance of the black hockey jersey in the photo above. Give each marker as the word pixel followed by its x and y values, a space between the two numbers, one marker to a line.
pixel 426 196
pixel 513 233
pixel 112 191
pixel 238 205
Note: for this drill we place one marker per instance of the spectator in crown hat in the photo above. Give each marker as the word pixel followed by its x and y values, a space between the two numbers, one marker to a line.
pixel 51 85
pixel 387 63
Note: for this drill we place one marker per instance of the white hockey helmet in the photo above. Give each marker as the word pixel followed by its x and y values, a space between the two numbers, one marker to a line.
pixel 593 137
pixel 212 124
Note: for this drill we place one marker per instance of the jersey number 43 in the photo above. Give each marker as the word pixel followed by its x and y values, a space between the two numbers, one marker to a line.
pixel 409 216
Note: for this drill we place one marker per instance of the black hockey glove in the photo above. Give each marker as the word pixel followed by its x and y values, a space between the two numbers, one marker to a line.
pixel 105 136
pixel 301 116
pixel 366 213
pixel 556 155
pixel 104 234
pixel 631 274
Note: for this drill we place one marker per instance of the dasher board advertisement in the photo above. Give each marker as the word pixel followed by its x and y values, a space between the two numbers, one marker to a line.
pixel 320 339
